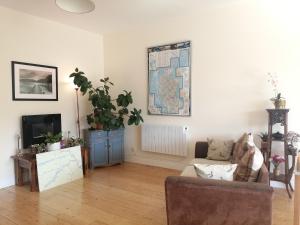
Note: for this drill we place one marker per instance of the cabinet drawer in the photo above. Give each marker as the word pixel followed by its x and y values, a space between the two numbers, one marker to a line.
pixel 113 133
pixel 98 134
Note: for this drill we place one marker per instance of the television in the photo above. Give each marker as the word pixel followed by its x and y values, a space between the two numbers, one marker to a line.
pixel 35 126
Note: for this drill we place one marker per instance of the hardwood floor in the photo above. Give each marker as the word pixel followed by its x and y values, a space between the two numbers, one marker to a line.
pixel 129 194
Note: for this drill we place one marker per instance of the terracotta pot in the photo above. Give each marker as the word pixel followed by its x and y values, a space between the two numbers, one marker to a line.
pixel 99 126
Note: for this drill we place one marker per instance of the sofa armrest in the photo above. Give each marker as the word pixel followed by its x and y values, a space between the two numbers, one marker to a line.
pixel 195 201
pixel 201 149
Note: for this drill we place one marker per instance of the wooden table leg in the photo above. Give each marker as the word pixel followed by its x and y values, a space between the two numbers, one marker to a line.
pixel 18 173
pixel 85 160
pixel 33 178
pixel 297 195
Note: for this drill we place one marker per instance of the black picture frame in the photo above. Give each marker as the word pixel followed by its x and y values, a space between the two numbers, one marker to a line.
pixel 34 82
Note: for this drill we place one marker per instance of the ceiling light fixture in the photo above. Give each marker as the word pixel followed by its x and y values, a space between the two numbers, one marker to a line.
pixel 76 6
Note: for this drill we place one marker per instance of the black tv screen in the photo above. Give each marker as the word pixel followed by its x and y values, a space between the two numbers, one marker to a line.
pixel 35 126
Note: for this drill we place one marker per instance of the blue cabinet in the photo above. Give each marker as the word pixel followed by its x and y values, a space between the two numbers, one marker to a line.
pixel 105 147
pixel 116 146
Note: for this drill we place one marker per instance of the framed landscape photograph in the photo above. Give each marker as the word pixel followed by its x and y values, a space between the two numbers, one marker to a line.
pixel 33 82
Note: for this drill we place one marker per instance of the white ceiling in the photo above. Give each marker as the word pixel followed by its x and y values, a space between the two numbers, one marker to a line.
pixel 110 15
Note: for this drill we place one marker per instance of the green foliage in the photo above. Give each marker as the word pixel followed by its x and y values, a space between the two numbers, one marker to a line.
pixel 71 142
pixel 108 112
pixel 52 138
pixel 38 148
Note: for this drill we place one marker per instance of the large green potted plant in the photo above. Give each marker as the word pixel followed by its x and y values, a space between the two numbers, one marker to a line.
pixel 108 113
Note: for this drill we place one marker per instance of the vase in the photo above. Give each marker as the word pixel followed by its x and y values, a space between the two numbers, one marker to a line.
pixel 276 171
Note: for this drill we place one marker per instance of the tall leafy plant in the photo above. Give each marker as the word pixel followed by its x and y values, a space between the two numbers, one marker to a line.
pixel 108 112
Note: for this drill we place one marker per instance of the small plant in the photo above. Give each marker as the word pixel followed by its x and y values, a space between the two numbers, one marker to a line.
pixel 72 142
pixel 276 160
pixel 273 80
pixel 278 101
pixel 264 136
pixel 277 98
pixel 38 148
pixel 293 139
pixel 51 138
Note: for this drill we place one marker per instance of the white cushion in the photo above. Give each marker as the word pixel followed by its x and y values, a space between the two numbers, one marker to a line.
pixel 258 158
pixel 217 172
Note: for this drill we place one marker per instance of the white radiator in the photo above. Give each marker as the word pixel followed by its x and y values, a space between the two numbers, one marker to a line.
pixel 164 139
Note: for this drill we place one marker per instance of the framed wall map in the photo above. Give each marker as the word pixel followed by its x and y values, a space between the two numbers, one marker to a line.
pixel 169 74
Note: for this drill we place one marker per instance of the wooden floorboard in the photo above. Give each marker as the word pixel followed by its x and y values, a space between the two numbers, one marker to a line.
pixel 128 194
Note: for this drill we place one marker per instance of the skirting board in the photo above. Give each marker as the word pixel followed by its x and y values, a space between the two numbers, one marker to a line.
pixel 156 162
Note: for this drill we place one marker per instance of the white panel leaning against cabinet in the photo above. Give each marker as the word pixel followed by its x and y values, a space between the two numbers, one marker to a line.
pixel 59 167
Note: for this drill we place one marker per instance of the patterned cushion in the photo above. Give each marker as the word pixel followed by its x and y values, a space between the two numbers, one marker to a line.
pixel 219 150
pixel 250 164
pixel 244 169
pixel 239 149
pixel 217 172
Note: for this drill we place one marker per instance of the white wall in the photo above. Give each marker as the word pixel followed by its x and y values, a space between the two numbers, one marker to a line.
pixel 234 46
pixel 30 39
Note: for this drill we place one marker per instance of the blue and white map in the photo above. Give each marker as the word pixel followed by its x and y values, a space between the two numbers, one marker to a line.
pixel 169 79
pixel 59 167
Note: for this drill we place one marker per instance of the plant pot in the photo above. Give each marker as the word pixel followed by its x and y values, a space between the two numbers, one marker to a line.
pixel 276 171
pixel 279 103
pixel 99 126
pixel 53 146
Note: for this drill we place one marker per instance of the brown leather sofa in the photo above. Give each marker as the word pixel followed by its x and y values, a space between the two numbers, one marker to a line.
pixel 198 201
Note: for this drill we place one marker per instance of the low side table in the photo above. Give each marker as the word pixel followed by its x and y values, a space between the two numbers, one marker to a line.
pixel 26 162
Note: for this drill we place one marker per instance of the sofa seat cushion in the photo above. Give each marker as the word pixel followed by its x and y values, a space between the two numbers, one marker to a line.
pixel 189 171
pixel 208 162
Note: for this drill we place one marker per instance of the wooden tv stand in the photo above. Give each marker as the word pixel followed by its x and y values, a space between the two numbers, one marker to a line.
pixel 27 161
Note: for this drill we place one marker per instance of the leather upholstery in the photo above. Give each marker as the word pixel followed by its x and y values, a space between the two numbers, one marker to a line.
pixel 198 201
pixel 194 201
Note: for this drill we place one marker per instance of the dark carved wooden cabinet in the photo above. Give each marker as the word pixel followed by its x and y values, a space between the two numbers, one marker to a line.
pixel 280 116
pixel 105 147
